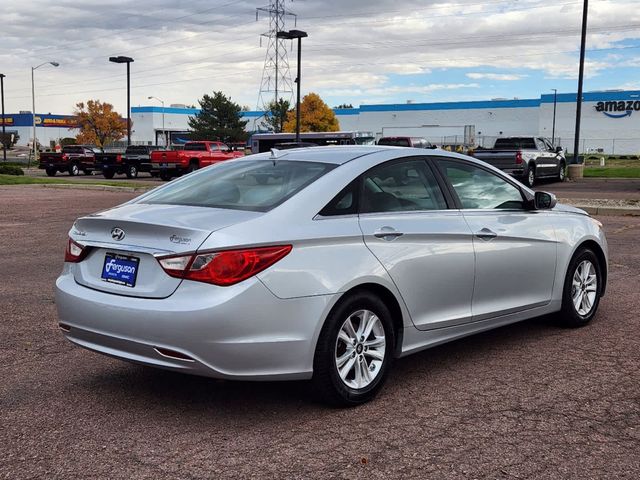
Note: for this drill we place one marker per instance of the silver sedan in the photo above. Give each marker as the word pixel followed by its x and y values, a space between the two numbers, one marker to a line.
pixel 324 264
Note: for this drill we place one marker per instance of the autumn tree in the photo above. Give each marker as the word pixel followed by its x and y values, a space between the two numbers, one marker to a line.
pixel 276 115
pixel 219 119
pixel 315 116
pixel 99 123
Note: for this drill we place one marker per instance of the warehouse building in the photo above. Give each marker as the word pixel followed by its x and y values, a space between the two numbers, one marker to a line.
pixel 610 121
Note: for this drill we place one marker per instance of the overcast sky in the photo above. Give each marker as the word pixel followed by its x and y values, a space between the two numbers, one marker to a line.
pixel 358 52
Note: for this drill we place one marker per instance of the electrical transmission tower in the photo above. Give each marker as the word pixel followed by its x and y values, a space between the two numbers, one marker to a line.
pixel 276 78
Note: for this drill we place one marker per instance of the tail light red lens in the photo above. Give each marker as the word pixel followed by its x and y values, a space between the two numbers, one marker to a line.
pixel 118 158
pixel 223 268
pixel 65 156
pixel 518 157
pixel 75 252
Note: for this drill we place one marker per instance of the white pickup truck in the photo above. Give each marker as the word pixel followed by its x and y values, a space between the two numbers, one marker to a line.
pixel 527 158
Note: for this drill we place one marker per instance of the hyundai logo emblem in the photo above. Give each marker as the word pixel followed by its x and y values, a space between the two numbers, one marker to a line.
pixel 117 233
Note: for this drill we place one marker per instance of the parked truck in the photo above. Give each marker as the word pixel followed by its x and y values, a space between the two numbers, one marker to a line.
pixel 135 159
pixel 172 163
pixel 72 159
pixel 526 158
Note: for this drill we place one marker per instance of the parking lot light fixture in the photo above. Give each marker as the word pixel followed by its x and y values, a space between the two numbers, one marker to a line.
pixel 290 35
pixel 128 61
pixel 33 106
pixel 164 133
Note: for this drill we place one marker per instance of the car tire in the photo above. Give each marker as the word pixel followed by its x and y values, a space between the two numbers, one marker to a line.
pixel 132 171
pixel 582 289
pixel 108 173
pixel 74 170
pixel 562 172
pixel 51 172
pixel 165 176
pixel 193 166
pixel 530 176
pixel 351 373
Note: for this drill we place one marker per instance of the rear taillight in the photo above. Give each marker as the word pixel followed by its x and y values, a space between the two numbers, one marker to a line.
pixel 518 157
pixel 223 268
pixel 75 252
pixel 65 156
pixel 118 158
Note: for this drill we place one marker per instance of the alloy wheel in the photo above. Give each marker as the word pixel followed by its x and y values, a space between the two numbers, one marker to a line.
pixel 360 349
pixel 584 288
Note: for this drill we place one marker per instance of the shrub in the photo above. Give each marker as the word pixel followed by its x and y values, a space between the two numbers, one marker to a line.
pixel 10 170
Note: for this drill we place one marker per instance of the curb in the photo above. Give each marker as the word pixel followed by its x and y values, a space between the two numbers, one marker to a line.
pixel 610 211
pixel 103 188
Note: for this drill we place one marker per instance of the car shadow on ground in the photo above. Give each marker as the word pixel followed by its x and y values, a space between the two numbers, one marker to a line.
pixel 145 387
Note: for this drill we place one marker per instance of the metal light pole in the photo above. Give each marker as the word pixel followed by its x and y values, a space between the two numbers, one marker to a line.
pixel 4 133
pixel 576 142
pixel 164 133
pixel 553 130
pixel 128 61
pixel 33 106
pixel 290 35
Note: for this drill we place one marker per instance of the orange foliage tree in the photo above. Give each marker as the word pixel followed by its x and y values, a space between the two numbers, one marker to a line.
pixel 315 116
pixel 99 123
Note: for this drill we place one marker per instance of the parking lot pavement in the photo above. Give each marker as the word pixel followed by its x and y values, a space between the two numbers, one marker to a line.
pixel 603 188
pixel 526 401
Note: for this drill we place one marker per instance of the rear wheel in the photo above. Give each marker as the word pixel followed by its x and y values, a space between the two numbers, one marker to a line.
pixel 51 172
pixel 108 173
pixel 132 171
pixel 582 289
pixel 193 166
pixel 354 351
pixel 73 169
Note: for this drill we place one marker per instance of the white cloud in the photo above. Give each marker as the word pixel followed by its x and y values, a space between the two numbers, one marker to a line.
pixel 507 77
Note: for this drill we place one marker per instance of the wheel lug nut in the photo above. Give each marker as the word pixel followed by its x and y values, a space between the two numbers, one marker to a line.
pixel 353 355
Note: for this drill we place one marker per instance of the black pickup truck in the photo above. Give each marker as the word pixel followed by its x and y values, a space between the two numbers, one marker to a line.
pixel 527 158
pixel 135 159
pixel 72 159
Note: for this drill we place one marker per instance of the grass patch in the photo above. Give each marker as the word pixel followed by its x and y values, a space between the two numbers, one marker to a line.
pixel 612 172
pixel 14 180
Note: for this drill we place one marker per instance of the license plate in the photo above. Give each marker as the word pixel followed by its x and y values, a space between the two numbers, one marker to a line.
pixel 120 269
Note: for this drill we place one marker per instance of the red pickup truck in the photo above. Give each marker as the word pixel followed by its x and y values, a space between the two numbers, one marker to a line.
pixel 195 155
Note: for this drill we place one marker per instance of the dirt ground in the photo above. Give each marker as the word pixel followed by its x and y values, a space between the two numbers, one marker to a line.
pixel 526 401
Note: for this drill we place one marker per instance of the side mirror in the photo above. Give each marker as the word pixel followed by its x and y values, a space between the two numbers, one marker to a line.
pixel 544 201
pixel 559 149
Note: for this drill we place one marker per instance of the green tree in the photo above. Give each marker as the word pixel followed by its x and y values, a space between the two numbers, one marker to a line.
pixel 219 119
pixel 315 116
pixel 276 115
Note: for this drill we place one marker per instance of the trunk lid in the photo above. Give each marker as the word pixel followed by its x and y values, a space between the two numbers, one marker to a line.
pixel 134 234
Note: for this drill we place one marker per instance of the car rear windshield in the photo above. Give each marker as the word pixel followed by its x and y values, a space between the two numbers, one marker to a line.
pixel 72 149
pixel 395 142
pixel 515 142
pixel 143 149
pixel 255 185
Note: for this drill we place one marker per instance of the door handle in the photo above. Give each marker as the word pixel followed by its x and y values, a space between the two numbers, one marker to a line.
pixel 388 233
pixel 486 234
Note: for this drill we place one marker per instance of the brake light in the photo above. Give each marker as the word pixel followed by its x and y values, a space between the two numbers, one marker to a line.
pixel 223 268
pixel 518 157
pixel 118 158
pixel 75 252
pixel 65 156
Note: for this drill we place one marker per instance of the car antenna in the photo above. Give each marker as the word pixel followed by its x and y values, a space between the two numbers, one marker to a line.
pixel 274 155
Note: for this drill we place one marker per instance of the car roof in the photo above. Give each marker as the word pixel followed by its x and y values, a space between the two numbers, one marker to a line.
pixel 324 154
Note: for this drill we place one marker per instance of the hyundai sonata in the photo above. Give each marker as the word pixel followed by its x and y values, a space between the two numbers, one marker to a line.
pixel 324 264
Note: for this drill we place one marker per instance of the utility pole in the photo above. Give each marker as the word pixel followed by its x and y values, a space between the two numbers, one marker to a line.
pixel 553 129
pixel 576 141
pixel 4 133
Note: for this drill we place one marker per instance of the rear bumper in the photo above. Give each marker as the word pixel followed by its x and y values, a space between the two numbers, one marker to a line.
pixel 239 332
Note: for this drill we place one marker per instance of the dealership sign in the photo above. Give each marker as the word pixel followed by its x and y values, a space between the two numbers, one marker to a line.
pixel 625 107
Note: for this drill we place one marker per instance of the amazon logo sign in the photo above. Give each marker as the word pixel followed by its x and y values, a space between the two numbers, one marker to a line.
pixel 611 109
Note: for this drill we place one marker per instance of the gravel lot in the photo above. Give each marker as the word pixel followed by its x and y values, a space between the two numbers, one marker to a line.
pixel 526 401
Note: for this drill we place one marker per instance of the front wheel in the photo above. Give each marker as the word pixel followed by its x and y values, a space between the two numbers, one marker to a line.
pixel 132 171
pixel 354 351
pixel 582 289
pixel 562 172
pixel 530 178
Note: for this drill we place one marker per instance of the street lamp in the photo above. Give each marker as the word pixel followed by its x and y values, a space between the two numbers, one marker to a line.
pixel 290 35
pixel 164 133
pixel 553 129
pixel 4 135
pixel 33 106
pixel 128 61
